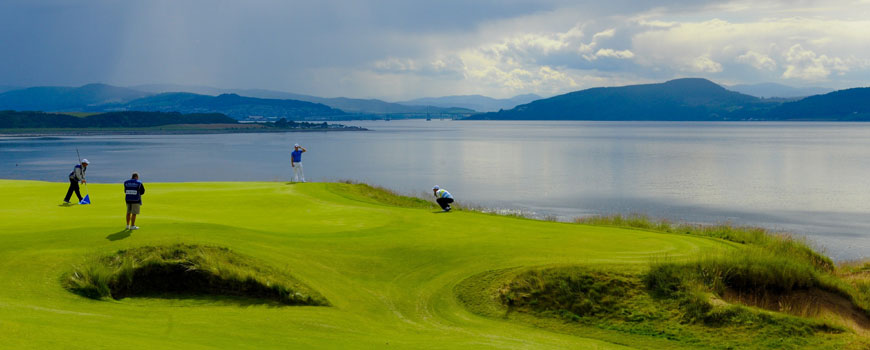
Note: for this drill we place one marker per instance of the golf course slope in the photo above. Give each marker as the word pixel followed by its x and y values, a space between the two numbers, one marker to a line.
pixel 393 273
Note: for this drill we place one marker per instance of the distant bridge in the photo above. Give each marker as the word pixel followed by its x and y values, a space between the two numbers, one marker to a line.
pixel 439 115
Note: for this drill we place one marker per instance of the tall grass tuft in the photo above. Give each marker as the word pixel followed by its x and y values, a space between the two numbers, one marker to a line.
pixel 570 292
pixel 780 244
pixel 383 195
pixel 752 272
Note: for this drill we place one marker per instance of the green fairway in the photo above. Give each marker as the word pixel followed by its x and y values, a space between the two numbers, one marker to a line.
pixel 388 272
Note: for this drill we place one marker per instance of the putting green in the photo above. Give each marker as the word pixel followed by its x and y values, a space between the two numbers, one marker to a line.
pixel 389 272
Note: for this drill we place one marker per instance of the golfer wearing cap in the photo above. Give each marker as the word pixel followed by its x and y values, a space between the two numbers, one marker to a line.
pixel 133 191
pixel 76 176
pixel 443 197
pixel 296 162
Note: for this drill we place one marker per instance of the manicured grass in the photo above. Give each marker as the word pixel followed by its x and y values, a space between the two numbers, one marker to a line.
pixel 392 275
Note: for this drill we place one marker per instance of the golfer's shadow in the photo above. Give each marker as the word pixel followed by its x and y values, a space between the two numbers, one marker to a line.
pixel 117 236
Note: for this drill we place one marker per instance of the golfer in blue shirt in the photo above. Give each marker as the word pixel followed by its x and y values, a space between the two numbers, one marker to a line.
pixel 133 191
pixel 296 162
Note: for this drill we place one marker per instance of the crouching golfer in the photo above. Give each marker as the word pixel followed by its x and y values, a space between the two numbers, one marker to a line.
pixel 296 162
pixel 133 189
pixel 443 197
pixel 76 176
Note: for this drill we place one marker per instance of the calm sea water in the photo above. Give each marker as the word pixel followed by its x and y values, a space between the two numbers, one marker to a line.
pixel 809 178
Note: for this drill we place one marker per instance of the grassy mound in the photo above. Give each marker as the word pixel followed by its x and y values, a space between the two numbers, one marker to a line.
pixel 572 292
pixel 185 270
pixel 754 277
pixel 720 298
pixel 619 307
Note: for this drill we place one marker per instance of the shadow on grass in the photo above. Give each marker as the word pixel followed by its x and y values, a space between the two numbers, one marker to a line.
pixel 197 274
pixel 211 300
pixel 117 236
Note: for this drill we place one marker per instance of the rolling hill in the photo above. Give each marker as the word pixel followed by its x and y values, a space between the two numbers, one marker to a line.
pixel 844 105
pixel 774 90
pixel 66 99
pixel 4 88
pixel 233 105
pixel 238 103
pixel 349 105
pixel 675 100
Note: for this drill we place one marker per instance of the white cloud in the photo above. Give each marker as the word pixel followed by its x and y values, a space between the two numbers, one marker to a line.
pixel 807 65
pixel 758 60
pixel 791 48
pixel 609 33
pixel 564 49
pixel 513 64
pixel 623 54
pixel 703 64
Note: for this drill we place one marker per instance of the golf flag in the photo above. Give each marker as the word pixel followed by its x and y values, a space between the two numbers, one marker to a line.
pixel 86 200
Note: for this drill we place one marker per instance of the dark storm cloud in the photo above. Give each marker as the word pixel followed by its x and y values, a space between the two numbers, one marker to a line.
pixel 70 42
pixel 403 49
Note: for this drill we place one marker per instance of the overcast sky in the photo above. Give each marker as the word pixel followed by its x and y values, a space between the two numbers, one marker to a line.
pixel 399 49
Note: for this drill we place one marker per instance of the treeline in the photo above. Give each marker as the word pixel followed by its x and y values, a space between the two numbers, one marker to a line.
pixel 283 123
pixel 37 120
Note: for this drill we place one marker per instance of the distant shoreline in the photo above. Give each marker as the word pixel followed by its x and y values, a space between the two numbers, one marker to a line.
pixel 160 131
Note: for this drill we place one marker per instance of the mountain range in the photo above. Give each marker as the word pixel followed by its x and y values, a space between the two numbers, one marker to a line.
pixel 681 99
pixel 237 103
pixel 238 107
pixel 350 105
pixel 691 99
pixel 62 98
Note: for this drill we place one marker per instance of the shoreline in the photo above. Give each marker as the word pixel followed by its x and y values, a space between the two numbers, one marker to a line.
pixel 84 132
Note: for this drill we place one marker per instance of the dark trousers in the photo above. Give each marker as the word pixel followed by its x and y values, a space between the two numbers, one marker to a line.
pixel 73 187
pixel 444 202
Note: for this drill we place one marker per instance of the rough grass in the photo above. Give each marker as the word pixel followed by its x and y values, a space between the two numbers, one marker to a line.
pixel 685 299
pixel 185 270
pixel 776 243
pixel 634 315
pixel 385 196
pixel 426 200
pixel 857 274
pixel 747 272
pixel 569 292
